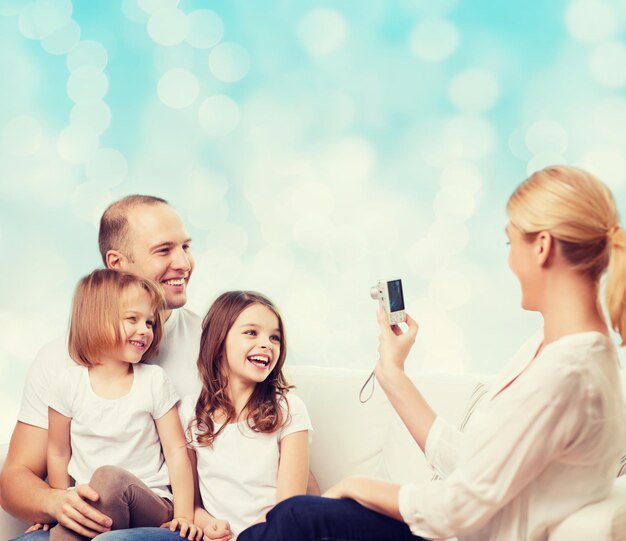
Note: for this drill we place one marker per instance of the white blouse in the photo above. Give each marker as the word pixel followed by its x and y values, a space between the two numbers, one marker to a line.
pixel 544 442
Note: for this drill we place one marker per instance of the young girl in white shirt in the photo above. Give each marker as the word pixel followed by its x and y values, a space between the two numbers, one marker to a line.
pixel 248 437
pixel 113 422
pixel 547 438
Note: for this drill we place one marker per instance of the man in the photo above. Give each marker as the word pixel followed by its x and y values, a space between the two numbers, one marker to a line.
pixel 138 234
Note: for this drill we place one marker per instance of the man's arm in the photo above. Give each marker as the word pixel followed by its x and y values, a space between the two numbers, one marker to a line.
pixel 59 449
pixel 26 495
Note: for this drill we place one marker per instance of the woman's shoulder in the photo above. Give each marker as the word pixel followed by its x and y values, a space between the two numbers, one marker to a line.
pixel 579 363
pixel 577 352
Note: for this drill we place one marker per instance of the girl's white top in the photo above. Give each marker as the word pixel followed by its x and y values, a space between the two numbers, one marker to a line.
pixel 118 432
pixel 238 473
pixel 533 452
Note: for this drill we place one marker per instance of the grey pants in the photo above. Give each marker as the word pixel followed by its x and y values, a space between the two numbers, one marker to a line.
pixel 124 498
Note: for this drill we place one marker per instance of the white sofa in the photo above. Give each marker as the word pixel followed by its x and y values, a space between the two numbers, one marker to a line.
pixel 355 438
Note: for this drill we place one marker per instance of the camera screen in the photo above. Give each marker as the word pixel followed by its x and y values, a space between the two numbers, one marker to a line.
pixel 396 299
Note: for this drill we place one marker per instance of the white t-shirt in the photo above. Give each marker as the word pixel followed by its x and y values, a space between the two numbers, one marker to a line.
pixel 118 432
pixel 544 442
pixel 177 356
pixel 238 474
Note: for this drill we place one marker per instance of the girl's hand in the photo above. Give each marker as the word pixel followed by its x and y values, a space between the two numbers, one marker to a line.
pixel 393 344
pixel 187 528
pixel 38 526
pixel 217 530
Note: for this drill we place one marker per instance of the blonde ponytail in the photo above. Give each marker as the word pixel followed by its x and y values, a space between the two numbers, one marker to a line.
pixel 615 290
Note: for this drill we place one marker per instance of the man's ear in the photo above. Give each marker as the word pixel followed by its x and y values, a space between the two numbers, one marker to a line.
pixel 115 260
pixel 544 245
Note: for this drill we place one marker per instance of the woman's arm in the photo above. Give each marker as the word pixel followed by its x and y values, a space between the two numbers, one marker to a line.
pixel 375 494
pixel 394 346
pixel 175 452
pixel 59 449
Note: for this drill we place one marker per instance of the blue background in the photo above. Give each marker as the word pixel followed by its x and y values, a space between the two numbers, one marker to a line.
pixel 311 148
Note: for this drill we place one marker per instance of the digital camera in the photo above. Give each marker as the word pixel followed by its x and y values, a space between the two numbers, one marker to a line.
pixel 389 295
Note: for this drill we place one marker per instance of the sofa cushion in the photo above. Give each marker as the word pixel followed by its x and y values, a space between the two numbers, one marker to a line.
pixel 348 435
pixel 449 396
pixel 601 521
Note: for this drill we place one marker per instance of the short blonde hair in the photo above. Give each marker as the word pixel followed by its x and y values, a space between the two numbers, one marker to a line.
pixel 96 314
pixel 579 211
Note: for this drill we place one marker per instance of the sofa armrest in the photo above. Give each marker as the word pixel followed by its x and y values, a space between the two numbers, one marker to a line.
pixel 10 527
pixel 600 521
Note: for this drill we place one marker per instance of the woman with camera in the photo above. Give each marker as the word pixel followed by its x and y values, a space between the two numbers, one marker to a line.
pixel 546 439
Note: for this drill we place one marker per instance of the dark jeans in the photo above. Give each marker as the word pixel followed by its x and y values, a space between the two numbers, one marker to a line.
pixel 312 518
pixel 134 534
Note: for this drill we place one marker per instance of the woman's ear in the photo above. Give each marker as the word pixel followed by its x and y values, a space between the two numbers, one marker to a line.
pixel 544 246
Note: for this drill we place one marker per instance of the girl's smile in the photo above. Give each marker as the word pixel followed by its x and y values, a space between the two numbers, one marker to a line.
pixel 253 344
pixel 136 325
pixel 261 361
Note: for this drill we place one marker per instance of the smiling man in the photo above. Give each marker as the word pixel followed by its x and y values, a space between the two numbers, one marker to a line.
pixel 145 236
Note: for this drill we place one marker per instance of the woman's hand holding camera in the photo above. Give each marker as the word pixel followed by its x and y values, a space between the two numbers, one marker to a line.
pixel 393 344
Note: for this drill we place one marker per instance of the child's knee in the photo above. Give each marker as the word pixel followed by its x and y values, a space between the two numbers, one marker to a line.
pixel 110 480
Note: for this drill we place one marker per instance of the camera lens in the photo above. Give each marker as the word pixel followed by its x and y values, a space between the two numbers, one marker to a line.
pixel 375 293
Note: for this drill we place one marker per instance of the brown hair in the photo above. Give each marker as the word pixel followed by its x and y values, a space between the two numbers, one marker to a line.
pixel 114 223
pixel 96 314
pixel 263 412
pixel 579 211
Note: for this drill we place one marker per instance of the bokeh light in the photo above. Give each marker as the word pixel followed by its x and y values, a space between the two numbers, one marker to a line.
pixel 22 136
pixel 218 115
pixel 229 62
pixel 474 91
pixel 39 19
pixel 590 21
pixel 152 6
pixel 94 116
pixel 168 26
pixel 607 63
pixel 77 144
pixel 63 39
pixel 87 53
pixel 434 39
pixel 178 88
pixel 107 167
pixel 310 151
pixel 87 83
pixel 205 28
pixel 607 163
pixel 546 136
pixel 322 31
